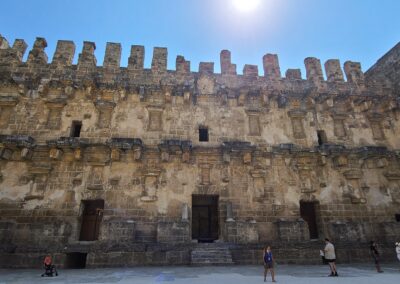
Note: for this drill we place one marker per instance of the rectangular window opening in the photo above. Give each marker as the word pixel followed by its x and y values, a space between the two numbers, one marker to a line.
pixel 76 128
pixel 203 134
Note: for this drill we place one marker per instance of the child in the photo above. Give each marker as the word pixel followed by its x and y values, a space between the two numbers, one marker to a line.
pixel 49 268
pixel 268 263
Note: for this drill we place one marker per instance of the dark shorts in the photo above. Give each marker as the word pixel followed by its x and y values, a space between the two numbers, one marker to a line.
pixel 330 260
pixel 268 265
pixel 376 259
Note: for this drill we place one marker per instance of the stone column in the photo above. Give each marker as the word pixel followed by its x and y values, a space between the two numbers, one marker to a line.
pixel 185 213
pixel 229 212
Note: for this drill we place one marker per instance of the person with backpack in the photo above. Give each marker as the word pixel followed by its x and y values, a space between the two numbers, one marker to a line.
pixel 268 263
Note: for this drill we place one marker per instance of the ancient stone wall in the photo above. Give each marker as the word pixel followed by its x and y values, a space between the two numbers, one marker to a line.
pixel 131 137
pixel 386 71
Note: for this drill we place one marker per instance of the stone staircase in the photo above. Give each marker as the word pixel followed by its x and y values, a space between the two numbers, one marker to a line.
pixel 211 254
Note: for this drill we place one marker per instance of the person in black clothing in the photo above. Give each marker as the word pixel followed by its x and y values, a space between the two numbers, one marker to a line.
pixel 375 255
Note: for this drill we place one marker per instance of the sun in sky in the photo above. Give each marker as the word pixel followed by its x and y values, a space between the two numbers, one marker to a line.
pixel 246 5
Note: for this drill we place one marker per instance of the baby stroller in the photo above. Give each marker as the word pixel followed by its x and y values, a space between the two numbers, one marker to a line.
pixel 49 268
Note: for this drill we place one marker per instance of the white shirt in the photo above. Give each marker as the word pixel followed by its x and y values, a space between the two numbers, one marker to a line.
pixel 398 250
pixel 330 251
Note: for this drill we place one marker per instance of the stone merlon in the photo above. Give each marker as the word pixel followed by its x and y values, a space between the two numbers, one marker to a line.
pixel 65 51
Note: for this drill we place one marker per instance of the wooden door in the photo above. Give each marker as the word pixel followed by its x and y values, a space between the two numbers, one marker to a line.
pixel 91 219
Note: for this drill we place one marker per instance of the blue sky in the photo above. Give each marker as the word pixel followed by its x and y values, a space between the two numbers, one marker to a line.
pixel 358 30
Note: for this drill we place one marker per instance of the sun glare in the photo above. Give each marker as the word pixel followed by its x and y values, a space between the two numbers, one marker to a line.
pixel 246 5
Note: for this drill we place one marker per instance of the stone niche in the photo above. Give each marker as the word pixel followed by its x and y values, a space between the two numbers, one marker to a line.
pixel 394 185
pixel 95 179
pixel 257 187
pixel 338 125
pixel 155 119
pixel 37 178
pixel 205 171
pixel 7 105
pixel 254 123
pixel 306 181
pixel 375 121
pixel 151 184
pixel 105 111
pixel 297 117
pixel 353 189
pixel 55 108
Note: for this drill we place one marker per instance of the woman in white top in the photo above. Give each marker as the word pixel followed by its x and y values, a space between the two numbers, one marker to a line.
pixel 398 250
pixel 330 257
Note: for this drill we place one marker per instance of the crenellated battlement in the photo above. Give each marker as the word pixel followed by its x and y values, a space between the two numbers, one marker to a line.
pixel 143 150
pixel 12 56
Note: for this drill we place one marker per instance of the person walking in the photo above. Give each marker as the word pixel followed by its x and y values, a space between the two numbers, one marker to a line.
pixel 268 263
pixel 330 257
pixel 373 249
pixel 398 250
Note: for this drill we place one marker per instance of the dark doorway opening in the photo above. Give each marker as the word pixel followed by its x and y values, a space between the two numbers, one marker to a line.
pixel 91 219
pixel 307 212
pixel 76 260
pixel 322 139
pixel 205 227
pixel 76 128
pixel 397 216
pixel 203 134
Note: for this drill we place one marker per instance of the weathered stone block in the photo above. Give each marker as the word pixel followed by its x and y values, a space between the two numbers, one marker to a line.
pixel 333 71
pixel 313 69
pixel 250 70
pixel 159 62
pixel 227 68
pixel 136 59
pixel 64 54
pixel 37 56
pixel 271 67
pixel 293 74
pixel 353 72
pixel 87 60
pixel 112 57
pixel 206 68
pixel 182 65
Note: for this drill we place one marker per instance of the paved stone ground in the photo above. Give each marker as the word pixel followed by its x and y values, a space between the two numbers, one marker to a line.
pixel 355 274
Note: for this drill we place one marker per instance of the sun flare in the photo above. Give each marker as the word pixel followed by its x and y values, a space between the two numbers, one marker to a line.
pixel 246 5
